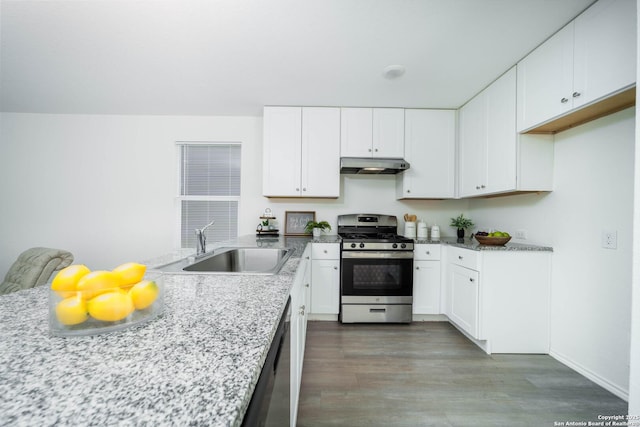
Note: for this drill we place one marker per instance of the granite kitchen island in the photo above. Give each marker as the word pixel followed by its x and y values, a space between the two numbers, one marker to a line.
pixel 196 364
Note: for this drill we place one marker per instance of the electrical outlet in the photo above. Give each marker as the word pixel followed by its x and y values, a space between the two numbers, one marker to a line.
pixel 609 239
pixel 521 234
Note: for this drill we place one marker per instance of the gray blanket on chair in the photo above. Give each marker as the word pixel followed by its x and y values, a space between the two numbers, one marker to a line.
pixel 34 268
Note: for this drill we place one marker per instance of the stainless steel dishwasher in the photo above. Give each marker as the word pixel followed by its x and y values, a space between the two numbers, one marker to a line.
pixel 270 403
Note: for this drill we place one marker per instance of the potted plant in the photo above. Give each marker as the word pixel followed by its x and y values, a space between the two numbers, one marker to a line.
pixel 317 227
pixel 461 223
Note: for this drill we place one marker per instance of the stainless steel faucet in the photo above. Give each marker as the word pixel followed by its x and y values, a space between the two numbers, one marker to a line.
pixel 201 239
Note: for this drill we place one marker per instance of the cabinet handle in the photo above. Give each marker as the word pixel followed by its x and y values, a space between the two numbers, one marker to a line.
pixel 302 308
pixel 408 191
pixel 428 253
pixel 335 268
pixel 304 189
pixel 482 186
pixel 477 187
pixel 576 94
pixel 307 258
pixel 369 149
pixel 564 100
pixel 306 285
pixel 470 279
pixel 376 150
pixel 298 189
pixel 325 251
pixel 460 257
pixel 417 268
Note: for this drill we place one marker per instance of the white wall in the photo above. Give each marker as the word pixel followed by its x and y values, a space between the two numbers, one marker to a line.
pixel 104 187
pixel 591 286
pixel 634 379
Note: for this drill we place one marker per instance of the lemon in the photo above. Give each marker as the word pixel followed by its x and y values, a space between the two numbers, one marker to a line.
pixel 72 311
pixel 67 279
pixel 130 273
pixel 97 282
pixel 111 306
pixel 144 293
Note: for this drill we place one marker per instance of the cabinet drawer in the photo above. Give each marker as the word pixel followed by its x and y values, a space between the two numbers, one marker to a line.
pixel 464 257
pixel 325 251
pixel 426 252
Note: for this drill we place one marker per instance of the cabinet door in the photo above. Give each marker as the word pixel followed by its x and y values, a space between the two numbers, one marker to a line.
pixel 320 152
pixel 605 50
pixel 426 287
pixel 473 153
pixel 545 79
pixel 388 132
pixel 500 103
pixel 282 134
pixel 356 132
pixel 463 298
pixel 429 147
pixel 325 286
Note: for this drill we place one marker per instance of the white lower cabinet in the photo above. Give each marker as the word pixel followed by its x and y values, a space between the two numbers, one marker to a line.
pixel 298 323
pixel 426 279
pixel 499 298
pixel 325 278
pixel 464 307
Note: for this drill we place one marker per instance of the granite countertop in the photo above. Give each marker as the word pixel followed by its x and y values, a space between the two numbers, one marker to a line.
pixel 473 244
pixel 196 364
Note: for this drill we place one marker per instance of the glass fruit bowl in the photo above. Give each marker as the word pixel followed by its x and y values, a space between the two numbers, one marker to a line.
pixel 76 313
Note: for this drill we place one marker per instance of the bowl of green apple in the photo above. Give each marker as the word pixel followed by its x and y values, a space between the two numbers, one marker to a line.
pixel 495 238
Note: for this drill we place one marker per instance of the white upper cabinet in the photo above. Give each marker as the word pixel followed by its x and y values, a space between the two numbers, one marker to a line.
pixel 590 59
pixel 472 169
pixel 282 151
pixel 604 50
pixel 301 152
pixel 488 140
pixel 492 157
pixel 372 132
pixel 429 147
pixel 320 170
pixel 388 132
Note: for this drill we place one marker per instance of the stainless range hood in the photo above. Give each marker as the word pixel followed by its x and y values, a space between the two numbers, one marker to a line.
pixel 372 166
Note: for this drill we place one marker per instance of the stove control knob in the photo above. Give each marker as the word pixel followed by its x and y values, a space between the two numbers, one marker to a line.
pixel 395 245
pixel 361 245
pixel 353 245
pixel 403 245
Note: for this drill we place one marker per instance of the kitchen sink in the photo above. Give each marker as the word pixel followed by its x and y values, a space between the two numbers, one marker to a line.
pixel 232 260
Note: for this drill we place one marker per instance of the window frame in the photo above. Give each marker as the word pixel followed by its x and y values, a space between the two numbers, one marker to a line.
pixel 178 189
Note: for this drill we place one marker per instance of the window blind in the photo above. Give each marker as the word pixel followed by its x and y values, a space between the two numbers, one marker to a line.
pixel 209 189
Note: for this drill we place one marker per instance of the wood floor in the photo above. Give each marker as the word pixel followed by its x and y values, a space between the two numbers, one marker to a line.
pixel 428 374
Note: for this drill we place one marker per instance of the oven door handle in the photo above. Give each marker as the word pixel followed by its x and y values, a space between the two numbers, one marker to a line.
pixel 378 254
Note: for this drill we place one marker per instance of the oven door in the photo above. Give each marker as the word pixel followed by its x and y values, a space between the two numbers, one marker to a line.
pixel 377 273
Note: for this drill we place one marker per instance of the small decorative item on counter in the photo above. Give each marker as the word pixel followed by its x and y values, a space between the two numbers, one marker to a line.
pixel 410 218
pixel 85 302
pixel 461 223
pixel 435 233
pixel 266 226
pixel 422 233
pixel 317 227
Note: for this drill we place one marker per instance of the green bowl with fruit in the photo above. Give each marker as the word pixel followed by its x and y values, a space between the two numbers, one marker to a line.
pixel 495 238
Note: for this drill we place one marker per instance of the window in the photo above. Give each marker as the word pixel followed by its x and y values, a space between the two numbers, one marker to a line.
pixel 209 189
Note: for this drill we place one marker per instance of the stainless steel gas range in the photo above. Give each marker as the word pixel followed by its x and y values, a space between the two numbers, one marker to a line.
pixel 376 275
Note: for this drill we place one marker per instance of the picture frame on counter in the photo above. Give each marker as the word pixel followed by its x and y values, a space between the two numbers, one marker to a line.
pixel 296 221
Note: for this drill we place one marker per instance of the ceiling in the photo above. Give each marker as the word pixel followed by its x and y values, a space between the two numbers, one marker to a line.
pixel 231 57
